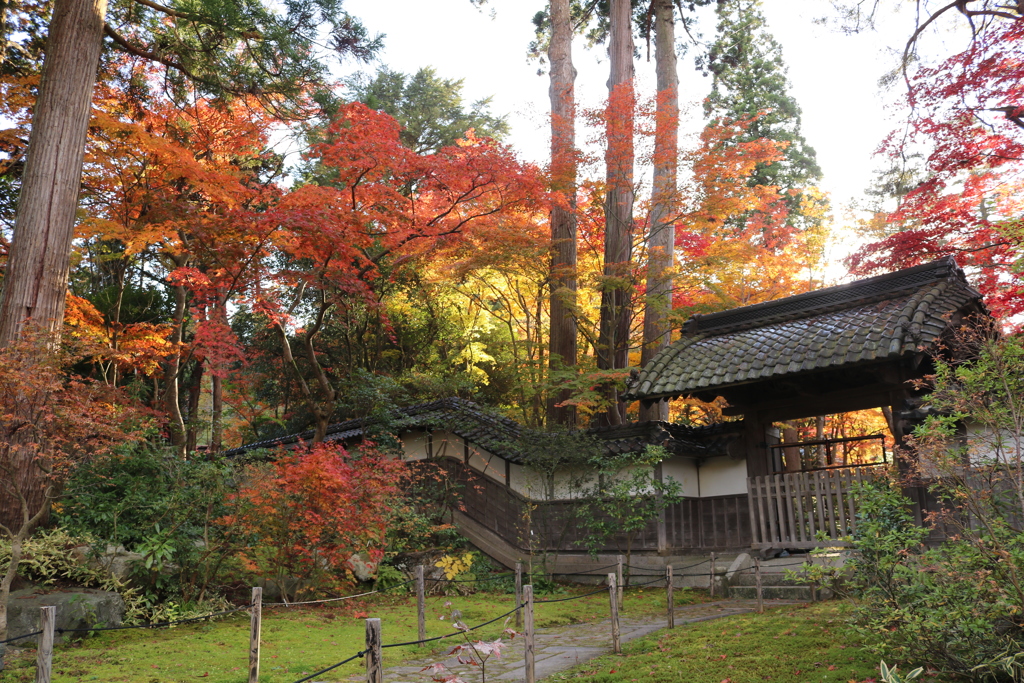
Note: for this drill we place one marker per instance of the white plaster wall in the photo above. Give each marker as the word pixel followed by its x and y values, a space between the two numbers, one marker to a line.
pixel 415 445
pixel 627 473
pixel 722 476
pixel 487 463
pixel 534 485
pixel 448 445
pixel 989 447
pixel 683 470
pixel 526 482
pixel 568 484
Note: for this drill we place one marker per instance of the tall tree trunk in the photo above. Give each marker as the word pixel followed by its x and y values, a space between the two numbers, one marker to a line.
pixel 322 412
pixel 217 396
pixel 217 415
pixel 327 390
pixel 819 434
pixel 616 288
pixel 562 343
pixel 37 269
pixel 195 395
pixel 36 277
pixel 661 244
pixel 172 375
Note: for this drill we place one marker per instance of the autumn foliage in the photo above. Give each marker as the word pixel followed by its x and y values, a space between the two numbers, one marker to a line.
pixel 244 306
pixel 49 422
pixel 966 119
pixel 736 246
pixel 308 512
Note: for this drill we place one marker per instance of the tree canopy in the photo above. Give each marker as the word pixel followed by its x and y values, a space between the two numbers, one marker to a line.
pixel 750 83
pixel 408 254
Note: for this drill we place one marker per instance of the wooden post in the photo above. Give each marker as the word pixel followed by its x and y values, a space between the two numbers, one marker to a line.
pixel 711 574
pixel 44 655
pixel 255 626
pixel 519 594
pixel 757 582
pixel 814 584
pixel 528 647
pixel 421 606
pixel 613 597
pixel 669 598
pixel 618 575
pixel 374 663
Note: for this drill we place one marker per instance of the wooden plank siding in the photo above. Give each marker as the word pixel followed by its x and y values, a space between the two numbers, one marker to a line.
pixel 693 524
pixel 788 510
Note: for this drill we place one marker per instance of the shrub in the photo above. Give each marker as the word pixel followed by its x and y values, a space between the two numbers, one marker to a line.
pixel 958 608
pixel 417 521
pixel 48 559
pixel 627 499
pixel 951 608
pixel 149 501
pixel 306 514
pixel 391 579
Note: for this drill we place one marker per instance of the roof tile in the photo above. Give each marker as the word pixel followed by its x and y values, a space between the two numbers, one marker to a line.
pixel 864 321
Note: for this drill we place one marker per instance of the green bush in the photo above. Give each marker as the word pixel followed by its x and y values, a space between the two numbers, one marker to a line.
pixel 955 608
pixel 52 559
pixel 421 520
pixel 150 502
pixel 391 578
pixel 49 559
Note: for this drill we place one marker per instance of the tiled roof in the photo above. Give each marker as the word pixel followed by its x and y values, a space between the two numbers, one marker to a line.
pixel 678 439
pixel 503 436
pixel 869 320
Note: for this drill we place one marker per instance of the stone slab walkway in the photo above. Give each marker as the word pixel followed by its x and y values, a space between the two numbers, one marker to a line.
pixel 563 647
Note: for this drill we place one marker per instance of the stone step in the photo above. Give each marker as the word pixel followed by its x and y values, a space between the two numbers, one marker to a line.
pixel 801 593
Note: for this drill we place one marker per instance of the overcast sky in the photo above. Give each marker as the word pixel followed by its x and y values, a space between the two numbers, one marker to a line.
pixel 834 76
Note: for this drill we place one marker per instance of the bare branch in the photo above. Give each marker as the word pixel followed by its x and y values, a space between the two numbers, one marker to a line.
pixel 123 43
pixel 168 11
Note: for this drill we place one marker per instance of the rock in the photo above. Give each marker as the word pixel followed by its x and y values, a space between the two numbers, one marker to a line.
pixel 80 608
pixel 362 566
pixel 116 561
pixel 272 588
pixel 20 583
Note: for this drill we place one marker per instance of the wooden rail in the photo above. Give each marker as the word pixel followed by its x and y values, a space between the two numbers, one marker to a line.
pixel 788 510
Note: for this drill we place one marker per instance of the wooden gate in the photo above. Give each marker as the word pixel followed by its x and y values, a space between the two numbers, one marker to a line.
pixel 789 510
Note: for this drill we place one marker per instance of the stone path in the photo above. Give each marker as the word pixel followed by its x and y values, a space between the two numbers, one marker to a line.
pixel 563 647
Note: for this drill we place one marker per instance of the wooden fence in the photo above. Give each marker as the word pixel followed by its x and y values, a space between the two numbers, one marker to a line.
pixel 691 525
pixel 372 654
pixel 788 510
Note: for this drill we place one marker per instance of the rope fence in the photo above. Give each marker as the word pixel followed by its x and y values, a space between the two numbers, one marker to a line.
pixel 162 624
pixel 372 653
pixel 361 653
pixel 344 597
pixel 21 637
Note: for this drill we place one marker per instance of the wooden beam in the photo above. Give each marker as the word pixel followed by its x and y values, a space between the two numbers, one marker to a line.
pixel 841 401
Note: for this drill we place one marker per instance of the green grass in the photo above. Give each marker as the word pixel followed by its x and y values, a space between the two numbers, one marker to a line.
pixel 793 643
pixel 300 641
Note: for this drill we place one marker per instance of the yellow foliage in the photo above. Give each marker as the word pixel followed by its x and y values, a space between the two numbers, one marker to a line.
pixel 453 565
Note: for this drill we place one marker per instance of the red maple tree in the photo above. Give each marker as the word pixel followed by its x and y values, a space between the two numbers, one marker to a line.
pixel 967 115
pixel 310 510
